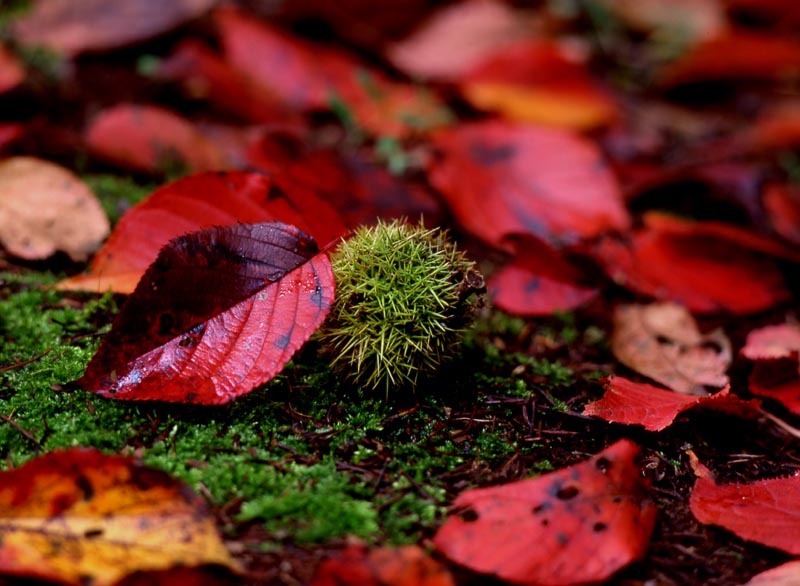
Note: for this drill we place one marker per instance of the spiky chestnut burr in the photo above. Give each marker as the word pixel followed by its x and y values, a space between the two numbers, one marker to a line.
pixel 404 295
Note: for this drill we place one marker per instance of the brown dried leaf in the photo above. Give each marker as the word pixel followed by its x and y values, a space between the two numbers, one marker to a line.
pixel 662 341
pixel 45 208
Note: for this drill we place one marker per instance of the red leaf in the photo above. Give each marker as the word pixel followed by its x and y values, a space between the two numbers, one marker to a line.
pixel 501 179
pixel 765 511
pixel 735 55
pixel 533 531
pixel 208 76
pixel 535 81
pixel 193 203
pixel 770 342
pixel 403 566
pixel 655 408
pixel 148 138
pixel 9 133
pixel 782 204
pixel 310 77
pixel 352 182
pixel 218 313
pixel 704 272
pixel 11 71
pixel 538 281
pixel 97 25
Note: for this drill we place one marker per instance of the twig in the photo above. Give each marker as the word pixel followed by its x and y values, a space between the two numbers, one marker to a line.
pixel 17 365
pixel 793 431
pixel 25 433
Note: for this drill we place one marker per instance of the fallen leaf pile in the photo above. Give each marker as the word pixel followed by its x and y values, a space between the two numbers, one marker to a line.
pixel 629 166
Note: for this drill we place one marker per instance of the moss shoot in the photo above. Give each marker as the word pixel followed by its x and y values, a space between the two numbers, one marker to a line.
pixel 403 298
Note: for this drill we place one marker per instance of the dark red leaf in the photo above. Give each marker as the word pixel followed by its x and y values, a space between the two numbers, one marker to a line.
pixel 764 511
pixel 149 138
pixel 193 203
pixel 10 133
pixel 537 281
pixel 655 408
pixel 532 531
pixel 218 313
pixel 355 185
pixel 735 55
pixel 501 179
pixel 387 566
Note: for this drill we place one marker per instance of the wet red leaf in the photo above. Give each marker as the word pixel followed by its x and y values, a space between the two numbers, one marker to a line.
pixel 149 138
pixel 193 203
pixel 97 25
pixel 501 179
pixel 662 341
pixel 764 511
pixel 386 566
pixel 537 281
pixel 776 373
pixel 656 408
pixel 703 271
pixel 218 313
pixel 11 71
pixel 735 55
pixel 80 516
pixel 309 77
pixel 536 81
pixel 532 531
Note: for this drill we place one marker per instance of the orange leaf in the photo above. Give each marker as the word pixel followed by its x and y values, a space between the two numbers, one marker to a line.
pixel 655 408
pixel 387 566
pixel 80 516
pixel 45 208
pixel 534 81
pixel 533 531
pixel 764 511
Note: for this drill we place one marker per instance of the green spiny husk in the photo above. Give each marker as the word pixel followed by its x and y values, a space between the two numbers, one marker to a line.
pixel 404 296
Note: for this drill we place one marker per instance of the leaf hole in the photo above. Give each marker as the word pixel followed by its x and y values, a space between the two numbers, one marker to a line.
pixel 468 515
pixel 92 533
pixel 599 527
pixel 540 508
pixel 566 493
pixel 603 464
